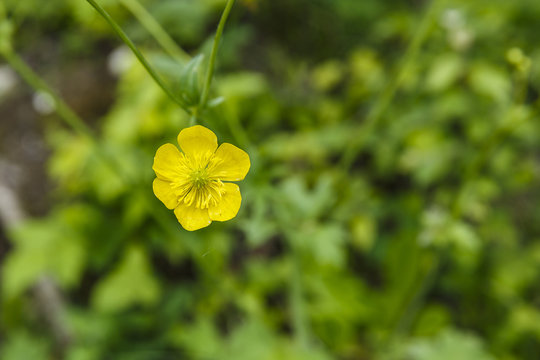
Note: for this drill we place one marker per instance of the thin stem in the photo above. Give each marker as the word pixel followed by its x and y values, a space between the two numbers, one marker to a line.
pixel 138 54
pixel 76 123
pixel 389 92
pixel 155 29
pixel 65 112
pixel 211 63
pixel 193 118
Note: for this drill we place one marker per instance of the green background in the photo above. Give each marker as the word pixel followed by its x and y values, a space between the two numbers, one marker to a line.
pixel 391 211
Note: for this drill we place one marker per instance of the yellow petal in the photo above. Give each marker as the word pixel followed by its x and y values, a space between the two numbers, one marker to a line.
pixel 192 218
pixel 229 205
pixel 197 141
pixel 167 164
pixel 164 192
pixel 234 164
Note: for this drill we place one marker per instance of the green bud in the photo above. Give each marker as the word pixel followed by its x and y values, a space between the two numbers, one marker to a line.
pixel 190 89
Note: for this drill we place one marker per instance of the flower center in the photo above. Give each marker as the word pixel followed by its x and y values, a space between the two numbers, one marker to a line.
pixel 196 186
pixel 199 178
pixel 200 190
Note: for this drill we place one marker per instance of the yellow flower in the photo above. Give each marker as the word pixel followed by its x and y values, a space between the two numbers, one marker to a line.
pixel 191 181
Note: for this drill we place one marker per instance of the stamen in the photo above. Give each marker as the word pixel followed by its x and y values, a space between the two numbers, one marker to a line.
pixel 197 187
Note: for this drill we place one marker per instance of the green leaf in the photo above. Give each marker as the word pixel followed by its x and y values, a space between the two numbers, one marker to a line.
pixel 449 345
pixel 364 232
pixel 490 81
pixel 201 340
pixel 241 85
pixel 309 203
pixel 131 283
pixel 432 320
pixel 325 243
pixel 215 101
pixel 428 155
pixel 444 72
pixel 21 346
pixel 327 75
pixel 43 247
pixel 252 340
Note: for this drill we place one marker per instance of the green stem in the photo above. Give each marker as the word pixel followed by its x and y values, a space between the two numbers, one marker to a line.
pixel 155 29
pixel 138 54
pixel 74 122
pixel 389 92
pixel 65 112
pixel 193 118
pixel 211 63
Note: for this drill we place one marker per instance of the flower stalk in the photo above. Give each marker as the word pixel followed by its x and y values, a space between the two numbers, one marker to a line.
pixel 211 64
pixel 139 55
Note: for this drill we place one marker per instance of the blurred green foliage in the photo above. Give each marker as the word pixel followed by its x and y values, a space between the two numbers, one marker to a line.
pixel 425 248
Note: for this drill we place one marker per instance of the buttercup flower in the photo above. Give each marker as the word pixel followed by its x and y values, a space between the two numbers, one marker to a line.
pixel 191 181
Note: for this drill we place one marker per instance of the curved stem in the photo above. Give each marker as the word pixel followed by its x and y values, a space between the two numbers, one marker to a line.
pixel 155 29
pixel 211 63
pixel 65 112
pixel 138 54
pixel 76 123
